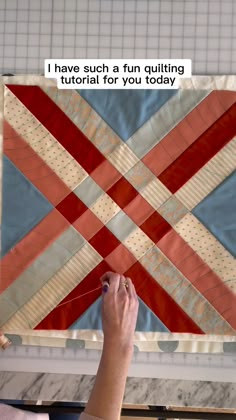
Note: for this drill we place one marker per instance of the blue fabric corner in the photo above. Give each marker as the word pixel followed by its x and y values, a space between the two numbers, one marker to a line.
pixel 126 110
pixel 92 320
pixel 218 213
pixel 23 206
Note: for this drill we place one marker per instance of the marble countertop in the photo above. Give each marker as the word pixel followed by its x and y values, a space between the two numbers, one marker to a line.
pixel 146 391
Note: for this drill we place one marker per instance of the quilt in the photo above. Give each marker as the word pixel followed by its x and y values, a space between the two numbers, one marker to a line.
pixel 138 182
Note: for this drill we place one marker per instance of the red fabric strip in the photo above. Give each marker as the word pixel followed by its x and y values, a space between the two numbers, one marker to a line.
pixel 59 125
pixel 104 242
pixel 122 192
pixel 155 227
pixel 105 175
pixel 139 210
pixel 62 317
pixel 201 151
pixel 188 130
pixel 88 224
pixel 158 300
pixel 200 275
pixel 71 207
pixel 30 247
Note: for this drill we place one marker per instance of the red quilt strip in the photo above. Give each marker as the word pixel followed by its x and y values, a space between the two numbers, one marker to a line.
pixel 59 125
pixel 201 151
pixel 62 317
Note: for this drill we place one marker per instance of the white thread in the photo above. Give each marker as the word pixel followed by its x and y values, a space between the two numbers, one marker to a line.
pixel 68 301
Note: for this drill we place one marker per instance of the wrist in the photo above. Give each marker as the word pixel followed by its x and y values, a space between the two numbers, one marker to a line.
pixel 117 347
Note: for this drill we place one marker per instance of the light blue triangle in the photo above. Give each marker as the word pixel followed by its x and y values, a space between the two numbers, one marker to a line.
pixel 218 213
pixel 126 110
pixel 91 319
pixel 23 206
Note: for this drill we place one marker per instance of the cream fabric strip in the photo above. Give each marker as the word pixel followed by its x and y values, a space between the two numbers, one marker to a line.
pixel 208 177
pixel 209 82
pixel 42 142
pixel 212 252
pixel 148 342
pixel 58 287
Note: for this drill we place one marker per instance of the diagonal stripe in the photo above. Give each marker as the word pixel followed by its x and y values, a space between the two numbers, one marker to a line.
pixel 59 286
pixel 97 208
pixel 61 319
pixel 30 247
pixel 88 224
pixel 139 176
pixel 105 175
pixel 105 208
pixel 120 259
pixel 208 248
pixel 139 210
pixel 103 138
pixel 122 192
pixel 155 193
pixel 42 142
pixel 199 274
pixel 121 225
pixel 158 300
pixel 155 227
pixel 61 127
pixel 122 158
pixel 104 242
pixel 164 120
pixel 102 212
pixel 188 130
pixel 85 118
pixel 39 272
pixel 172 210
pixel 183 293
pixel 73 105
pixel 209 176
pixel 33 167
pixel 149 189
pixel 138 243
pixel 71 207
pixel 200 152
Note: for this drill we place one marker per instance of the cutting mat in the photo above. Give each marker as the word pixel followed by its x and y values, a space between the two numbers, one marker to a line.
pixel 33 30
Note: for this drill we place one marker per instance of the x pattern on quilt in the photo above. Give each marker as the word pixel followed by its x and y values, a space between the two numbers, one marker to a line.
pixel 80 199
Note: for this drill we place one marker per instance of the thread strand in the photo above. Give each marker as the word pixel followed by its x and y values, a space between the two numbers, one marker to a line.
pixel 78 297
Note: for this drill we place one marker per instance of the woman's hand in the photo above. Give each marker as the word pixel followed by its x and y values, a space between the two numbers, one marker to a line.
pixel 119 311
pixel 119 317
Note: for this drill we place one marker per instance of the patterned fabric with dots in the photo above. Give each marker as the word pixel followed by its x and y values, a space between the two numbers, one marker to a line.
pixel 79 200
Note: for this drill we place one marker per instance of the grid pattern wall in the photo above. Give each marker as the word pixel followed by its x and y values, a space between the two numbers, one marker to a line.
pixel 33 30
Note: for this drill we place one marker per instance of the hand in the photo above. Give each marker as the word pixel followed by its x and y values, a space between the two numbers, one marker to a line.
pixel 119 311
pixel 4 341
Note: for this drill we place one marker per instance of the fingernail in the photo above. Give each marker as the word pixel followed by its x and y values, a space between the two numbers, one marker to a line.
pixel 105 288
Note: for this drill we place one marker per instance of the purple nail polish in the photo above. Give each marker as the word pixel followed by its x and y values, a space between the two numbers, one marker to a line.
pixel 105 288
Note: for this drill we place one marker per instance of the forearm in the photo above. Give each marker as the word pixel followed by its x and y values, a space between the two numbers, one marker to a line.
pixel 107 395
